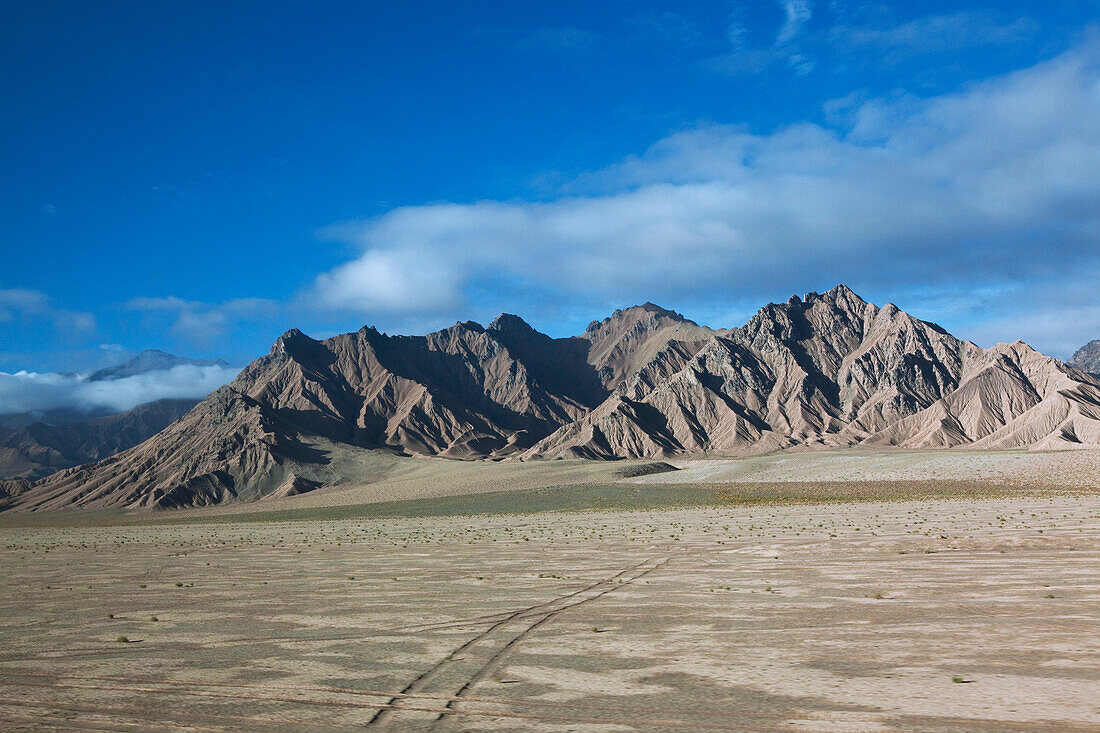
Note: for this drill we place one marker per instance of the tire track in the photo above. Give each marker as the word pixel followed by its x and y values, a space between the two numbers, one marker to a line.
pixel 486 669
pixel 110 648
pixel 544 611
pixel 38 652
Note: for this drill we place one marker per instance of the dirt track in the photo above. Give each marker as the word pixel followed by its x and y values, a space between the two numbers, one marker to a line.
pixel 816 617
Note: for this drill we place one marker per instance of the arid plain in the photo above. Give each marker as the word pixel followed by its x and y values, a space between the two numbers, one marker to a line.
pixel 832 591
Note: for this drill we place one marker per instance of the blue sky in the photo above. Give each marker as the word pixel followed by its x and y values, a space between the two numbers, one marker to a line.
pixel 201 176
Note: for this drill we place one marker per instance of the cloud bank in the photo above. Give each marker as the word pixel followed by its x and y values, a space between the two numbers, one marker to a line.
pixel 993 187
pixel 29 391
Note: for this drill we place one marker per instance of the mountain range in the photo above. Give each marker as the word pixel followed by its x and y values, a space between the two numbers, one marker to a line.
pixel 41 448
pixel 146 362
pixel 1087 358
pixel 37 443
pixel 150 360
pixel 824 370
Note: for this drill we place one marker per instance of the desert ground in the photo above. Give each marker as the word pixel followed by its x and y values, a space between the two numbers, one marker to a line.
pixel 934 591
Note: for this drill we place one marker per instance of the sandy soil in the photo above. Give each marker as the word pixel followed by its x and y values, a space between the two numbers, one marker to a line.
pixel 1077 469
pixel 934 615
pixel 383 477
pixel 387 478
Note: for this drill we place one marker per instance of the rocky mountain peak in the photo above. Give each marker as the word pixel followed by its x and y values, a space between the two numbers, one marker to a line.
pixel 836 306
pixel 842 291
pixel 292 343
pixel 1087 358
pixel 291 335
pixel 648 314
pixel 508 323
pixel 826 369
pixel 461 329
pixel 654 308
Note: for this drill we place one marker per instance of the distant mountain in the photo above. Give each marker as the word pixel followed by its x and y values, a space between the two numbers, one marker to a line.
pixel 40 449
pixel 151 360
pixel 146 362
pixel 1087 358
pixel 37 443
pixel 53 416
pixel 825 370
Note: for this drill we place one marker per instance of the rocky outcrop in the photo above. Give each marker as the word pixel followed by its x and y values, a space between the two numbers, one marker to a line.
pixel 1087 358
pixel 625 343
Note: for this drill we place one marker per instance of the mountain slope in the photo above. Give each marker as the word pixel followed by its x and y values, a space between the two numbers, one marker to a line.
pixel 1087 358
pixel 834 370
pixel 40 449
pixel 458 393
pixel 624 343
pixel 53 416
pixel 825 370
pixel 1011 396
pixel 228 446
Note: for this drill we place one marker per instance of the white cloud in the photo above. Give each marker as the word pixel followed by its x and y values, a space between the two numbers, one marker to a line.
pixel 796 14
pixel 870 37
pixel 743 58
pixel 396 279
pixel 27 304
pixel 996 184
pixel 21 300
pixel 737 34
pixel 203 323
pixel 30 391
pixel 1056 317
pixel 930 34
